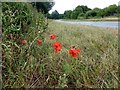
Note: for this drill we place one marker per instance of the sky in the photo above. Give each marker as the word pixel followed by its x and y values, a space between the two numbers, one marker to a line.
pixel 62 5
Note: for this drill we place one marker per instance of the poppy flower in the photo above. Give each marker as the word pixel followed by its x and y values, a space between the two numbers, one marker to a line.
pixel 74 52
pixel 57 46
pixel 52 36
pixel 78 50
pixel 24 41
pixel 39 41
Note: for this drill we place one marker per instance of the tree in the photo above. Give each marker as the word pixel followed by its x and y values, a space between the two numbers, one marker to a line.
pixel 81 16
pixel 48 15
pixel 55 15
pixel 111 10
pixel 118 11
pixel 79 10
pixel 74 15
pixel 90 13
pixel 76 12
pixel 67 14
pixel 61 16
pixel 84 8
pixel 43 6
pixel 100 12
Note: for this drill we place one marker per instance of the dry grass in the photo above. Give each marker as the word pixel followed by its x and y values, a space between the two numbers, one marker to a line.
pixel 97 64
pixel 95 67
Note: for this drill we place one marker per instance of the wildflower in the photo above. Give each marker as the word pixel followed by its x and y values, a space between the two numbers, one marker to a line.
pixel 52 36
pixel 24 41
pixel 39 41
pixel 74 52
pixel 57 46
pixel 78 50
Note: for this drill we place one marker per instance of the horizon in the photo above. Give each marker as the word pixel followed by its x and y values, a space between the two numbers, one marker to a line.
pixel 73 4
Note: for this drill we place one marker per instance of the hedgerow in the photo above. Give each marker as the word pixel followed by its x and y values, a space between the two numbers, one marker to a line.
pixel 20 21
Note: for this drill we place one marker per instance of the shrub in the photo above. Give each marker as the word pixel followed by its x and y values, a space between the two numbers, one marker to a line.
pixel 20 21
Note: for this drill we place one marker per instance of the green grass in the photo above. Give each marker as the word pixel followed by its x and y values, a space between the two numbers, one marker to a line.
pixel 97 64
pixel 95 67
pixel 21 21
pixel 35 66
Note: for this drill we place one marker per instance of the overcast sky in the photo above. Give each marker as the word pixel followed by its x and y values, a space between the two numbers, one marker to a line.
pixel 62 5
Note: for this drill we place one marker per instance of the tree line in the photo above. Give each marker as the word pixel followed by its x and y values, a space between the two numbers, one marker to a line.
pixel 84 12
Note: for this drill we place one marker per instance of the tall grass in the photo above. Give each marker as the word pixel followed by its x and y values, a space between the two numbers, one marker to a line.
pixel 32 65
pixel 97 64
pixel 21 21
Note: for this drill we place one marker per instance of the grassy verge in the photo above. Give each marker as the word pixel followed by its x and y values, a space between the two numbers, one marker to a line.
pixel 21 61
pixel 97 64
pixel 33 65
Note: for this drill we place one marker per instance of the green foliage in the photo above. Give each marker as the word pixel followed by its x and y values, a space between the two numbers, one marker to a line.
pixel 96 65
pixel 83 12
pixel 61 16
pixel 90 13
pixel 21 21
pixel 62 81
pixel 67 14
pixel 74 14
pixel 118 11
pixel 43 6
pixel 15 16
pixel 33 66
pixel 0 14
pixel 111 10
pixel 101 13
pixel 85 8
pixel 55 15
pixel 81 16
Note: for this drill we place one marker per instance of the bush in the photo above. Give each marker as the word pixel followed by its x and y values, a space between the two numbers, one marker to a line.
pixel 17 17
pixel 90 13
pixel 81 16
pixel 20 21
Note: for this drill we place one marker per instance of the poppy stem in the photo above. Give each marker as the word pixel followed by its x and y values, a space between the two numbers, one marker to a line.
pixel 76 62
pixel 32 43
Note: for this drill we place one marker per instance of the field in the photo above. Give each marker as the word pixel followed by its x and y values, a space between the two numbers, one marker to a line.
pixel 37 52
pixel 97 63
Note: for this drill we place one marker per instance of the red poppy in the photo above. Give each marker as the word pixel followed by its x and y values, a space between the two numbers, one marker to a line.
pixel 39 41
pixel 74 52
pixel 57 46
pixel 78 50
pixel 24 41
pixel 52 36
